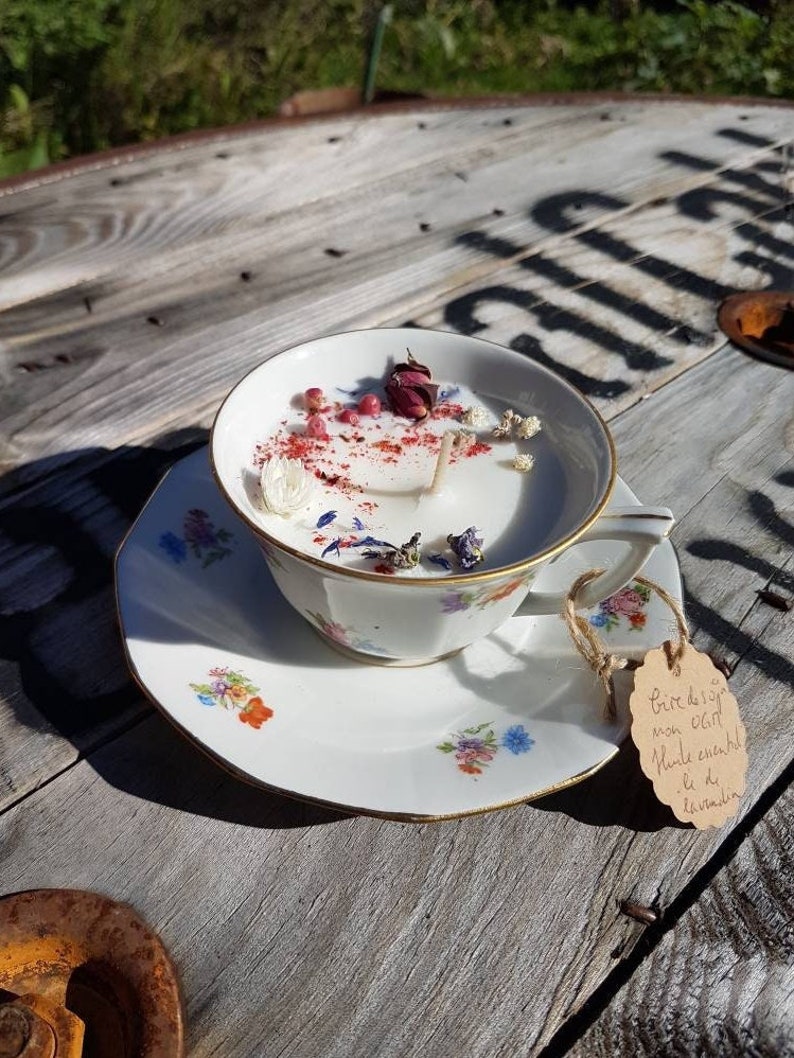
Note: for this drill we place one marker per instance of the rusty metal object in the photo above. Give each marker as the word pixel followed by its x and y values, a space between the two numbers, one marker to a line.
pixel 761 323
pixel 75 968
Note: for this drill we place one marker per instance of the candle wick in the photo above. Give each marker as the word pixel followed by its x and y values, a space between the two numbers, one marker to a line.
pixel 447 443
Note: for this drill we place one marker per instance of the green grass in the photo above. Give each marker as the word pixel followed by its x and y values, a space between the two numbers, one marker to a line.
pixel 83 75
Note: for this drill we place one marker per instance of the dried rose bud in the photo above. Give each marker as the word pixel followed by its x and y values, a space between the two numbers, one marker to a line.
pixel 410 390
pixel 316 427
pixel 314 399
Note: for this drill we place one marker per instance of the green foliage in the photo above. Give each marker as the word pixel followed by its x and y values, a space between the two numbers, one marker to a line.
pixel 82 75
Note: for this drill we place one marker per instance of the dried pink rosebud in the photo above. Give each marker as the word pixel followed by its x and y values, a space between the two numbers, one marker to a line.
pixel 316 427
pixel 410 389
pixel 369 404
pixel 314 399
pixel 348 416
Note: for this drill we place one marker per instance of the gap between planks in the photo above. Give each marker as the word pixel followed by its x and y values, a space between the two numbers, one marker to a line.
pixel 571 1030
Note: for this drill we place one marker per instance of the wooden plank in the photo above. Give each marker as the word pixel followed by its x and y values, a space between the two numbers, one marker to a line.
pixel 152 250
pixel 461 945
pixel 720 982
pixel 296 931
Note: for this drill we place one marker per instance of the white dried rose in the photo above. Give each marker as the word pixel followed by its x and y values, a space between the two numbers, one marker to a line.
pixel 524 462
pixel 286 486
pixel 475 416
pixel 528 427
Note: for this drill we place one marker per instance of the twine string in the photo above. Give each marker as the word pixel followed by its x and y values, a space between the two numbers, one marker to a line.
pixel 590 646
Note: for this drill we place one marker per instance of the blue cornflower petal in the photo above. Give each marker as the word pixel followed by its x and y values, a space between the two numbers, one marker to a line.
pixel 326 519
pixel 439 560
pixel 370 541
pixel 358 524
pixel 333 546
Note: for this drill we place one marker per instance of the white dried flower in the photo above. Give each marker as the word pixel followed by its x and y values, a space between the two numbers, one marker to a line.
pixel 528 427
pixel 505 427
pixel 463 440
pixel 524 462
pixel 475 416
pixel 286 486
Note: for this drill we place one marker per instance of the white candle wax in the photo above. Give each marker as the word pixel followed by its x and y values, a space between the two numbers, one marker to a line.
pixel 374 478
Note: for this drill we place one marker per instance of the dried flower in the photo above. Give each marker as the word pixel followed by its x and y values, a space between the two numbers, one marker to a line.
pixel 475 416
pixel 410 390
pixel 528 427
pixel 468 547
pixel 508 421
pixel 463 441
pixel 286 486
pixel 406 556
pixel 524 462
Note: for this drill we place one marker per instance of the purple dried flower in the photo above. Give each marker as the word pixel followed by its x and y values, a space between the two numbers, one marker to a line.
pixel 468 547
pixel 410 390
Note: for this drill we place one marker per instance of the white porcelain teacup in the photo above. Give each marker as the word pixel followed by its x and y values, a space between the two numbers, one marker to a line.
pixel 331 556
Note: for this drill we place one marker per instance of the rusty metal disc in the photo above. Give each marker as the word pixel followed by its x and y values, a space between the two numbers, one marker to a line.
pixel 761 323
pixel 69 957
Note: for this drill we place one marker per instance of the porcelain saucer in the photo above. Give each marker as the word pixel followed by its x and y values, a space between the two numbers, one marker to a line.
pixel 512 717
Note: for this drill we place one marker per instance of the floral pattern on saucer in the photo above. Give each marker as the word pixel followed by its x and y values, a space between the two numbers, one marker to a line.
pixel 200 537
pixel 476 747
pixel 629 603
pixel 233 691
pixel 455 601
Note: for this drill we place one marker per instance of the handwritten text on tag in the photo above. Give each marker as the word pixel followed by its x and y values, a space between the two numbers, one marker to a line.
pixel 692 743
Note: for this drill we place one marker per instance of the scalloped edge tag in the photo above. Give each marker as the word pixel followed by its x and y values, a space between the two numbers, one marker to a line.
pixel 686 725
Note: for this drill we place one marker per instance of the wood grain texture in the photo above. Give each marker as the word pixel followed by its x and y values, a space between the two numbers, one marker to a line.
pixel 126 314
pixel 721 982
pixel 300 932
pixel 597 238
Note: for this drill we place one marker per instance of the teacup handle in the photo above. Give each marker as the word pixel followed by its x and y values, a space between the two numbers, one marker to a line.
pixel 642 528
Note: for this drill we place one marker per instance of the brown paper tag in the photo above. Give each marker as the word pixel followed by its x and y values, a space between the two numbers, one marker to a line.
pixel 691 739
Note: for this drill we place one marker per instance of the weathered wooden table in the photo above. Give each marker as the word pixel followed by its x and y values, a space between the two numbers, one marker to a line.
pixel 596 235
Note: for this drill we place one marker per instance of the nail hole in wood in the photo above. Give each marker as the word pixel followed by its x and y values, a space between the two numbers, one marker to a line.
pixel 246 277
pixel 498 212
pixel 155 321
pixel 421 125
pixel 221 154
pixel 507 121
pixel 333 139
pixel 88 306
pixel 331 251
pixel 424 226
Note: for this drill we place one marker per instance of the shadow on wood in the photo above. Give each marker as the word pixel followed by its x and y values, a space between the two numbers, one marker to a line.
pixel 618 795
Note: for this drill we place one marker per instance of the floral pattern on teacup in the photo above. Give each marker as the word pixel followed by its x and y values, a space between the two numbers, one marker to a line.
pixel 346 637
pixel 456 601
pixel 628 603
pixel 231 690
pixel 475 747
pixel 200 537
pixel 271 556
